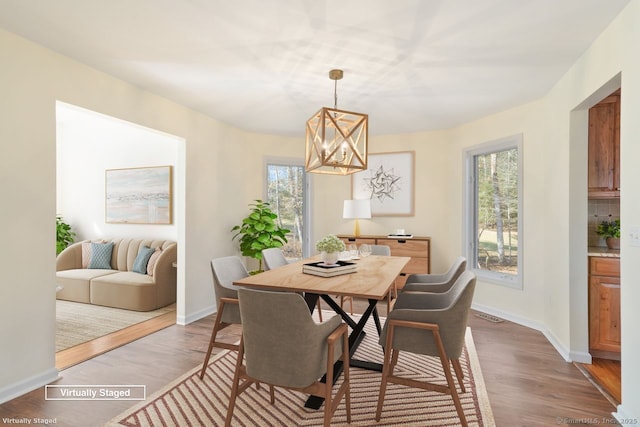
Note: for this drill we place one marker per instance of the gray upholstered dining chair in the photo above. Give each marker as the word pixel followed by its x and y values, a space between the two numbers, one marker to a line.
pixel 433 325
pixel 274 258
pixel 436 282
pixel 383 250
pixel 225 271
pixel 283 346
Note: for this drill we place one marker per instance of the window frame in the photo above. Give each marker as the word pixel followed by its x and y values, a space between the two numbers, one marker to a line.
pixel 470 212
pixel 288 161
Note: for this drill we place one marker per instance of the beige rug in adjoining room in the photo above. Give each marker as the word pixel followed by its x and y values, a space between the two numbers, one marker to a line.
pixel 190 401
pixel 77 322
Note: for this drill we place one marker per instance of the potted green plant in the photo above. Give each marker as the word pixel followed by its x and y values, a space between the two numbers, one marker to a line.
pixel 260 230
pixel 330 246
pixel 64 235
pixel 610 230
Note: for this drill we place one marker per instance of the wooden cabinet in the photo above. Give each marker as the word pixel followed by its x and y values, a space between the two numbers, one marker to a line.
pixel 604 148
pixel 418 248
pixel 604 307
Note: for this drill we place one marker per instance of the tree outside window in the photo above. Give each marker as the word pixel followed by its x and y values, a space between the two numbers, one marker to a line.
pixel 493 214
pixel 286 195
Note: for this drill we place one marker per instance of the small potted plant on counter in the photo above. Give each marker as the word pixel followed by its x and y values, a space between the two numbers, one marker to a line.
pixel 610 230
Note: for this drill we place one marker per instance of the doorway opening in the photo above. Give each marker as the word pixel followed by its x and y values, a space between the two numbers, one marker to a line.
pixel 87 144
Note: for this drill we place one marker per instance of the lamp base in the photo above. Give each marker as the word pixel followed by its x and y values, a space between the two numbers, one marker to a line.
pixel 356 229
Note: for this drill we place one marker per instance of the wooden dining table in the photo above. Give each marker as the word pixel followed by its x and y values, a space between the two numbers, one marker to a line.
pixel 373 280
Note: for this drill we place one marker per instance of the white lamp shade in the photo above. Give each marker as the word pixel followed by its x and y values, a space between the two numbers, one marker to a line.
pixel 357 209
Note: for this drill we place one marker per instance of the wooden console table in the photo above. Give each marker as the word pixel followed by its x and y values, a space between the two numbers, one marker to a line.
pixel 417 248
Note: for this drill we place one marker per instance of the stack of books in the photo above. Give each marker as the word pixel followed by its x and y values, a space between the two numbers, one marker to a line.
pixel 323 270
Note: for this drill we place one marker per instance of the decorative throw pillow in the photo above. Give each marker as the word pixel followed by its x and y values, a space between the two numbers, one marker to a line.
pixel 86 254
pixel 101 255
pixel 140 264
pixel 152 261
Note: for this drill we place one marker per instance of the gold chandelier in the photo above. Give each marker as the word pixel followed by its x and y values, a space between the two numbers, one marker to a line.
pixel 336 140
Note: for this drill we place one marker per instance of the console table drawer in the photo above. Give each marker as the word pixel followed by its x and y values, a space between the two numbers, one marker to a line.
pixel 416 248
pixel 417 266
pixel 358 241
pixel 407 247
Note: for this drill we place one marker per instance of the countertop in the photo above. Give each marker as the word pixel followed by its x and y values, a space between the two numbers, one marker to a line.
pixel 603 251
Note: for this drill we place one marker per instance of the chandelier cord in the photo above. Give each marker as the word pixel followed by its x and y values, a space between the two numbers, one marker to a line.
pixel 335 94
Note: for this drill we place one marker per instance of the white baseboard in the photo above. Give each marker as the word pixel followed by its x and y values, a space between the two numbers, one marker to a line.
pixel 561 349
pixel 624 417
pixel 580 357
pixel 185 320
pixel 29 384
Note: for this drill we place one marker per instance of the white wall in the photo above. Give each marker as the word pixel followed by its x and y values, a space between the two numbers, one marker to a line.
pixel 555 294
pixel 224 173
pixel 434 164
pixel 88 144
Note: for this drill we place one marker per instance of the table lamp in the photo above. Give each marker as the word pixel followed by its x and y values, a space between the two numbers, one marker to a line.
pixel 357 209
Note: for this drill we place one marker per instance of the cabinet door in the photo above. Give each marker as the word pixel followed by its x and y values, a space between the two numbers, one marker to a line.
pixel 601 146
pixel 604 317
pixel 604 148
pixel 616 145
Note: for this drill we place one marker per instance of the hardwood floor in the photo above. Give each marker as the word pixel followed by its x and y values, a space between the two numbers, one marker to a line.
pixel 606 374
pixel 85 351
pixel 529 384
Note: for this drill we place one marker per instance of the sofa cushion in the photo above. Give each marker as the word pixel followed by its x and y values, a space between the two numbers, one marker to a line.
pixel 152 261
pixel 86 254
pixel 140 264
pixel 75 283
pixel 125 289
pixel 101 255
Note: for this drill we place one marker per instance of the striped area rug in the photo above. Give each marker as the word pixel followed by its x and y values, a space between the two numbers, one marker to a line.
pixel 189 401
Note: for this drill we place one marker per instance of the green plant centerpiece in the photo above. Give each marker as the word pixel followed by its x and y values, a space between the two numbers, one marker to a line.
pixel 64 235
pixel 610 230
pixel 330 246
pixel 260 230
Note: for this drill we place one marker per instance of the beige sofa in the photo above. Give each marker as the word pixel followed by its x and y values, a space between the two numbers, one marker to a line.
pixel 118 286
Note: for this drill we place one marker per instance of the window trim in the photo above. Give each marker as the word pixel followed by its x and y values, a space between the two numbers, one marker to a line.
pixel 290 161
pixel 470 212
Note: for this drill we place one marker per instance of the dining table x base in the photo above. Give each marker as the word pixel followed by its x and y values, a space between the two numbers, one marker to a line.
pixel 355 338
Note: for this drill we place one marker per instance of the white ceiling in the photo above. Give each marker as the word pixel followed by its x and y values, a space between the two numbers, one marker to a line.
pixel 262 65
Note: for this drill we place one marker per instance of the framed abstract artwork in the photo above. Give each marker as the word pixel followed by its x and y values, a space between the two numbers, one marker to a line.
pixel 388 182
pixel 138 195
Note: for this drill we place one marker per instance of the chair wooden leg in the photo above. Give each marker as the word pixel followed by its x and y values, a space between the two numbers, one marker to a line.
pixel 214 332
pixel 319 310
pixel 459 374
pixel 331 402
pixel 346 373
pixel 444 360
pixel 385 370
pixel 343 299
pixel 235 386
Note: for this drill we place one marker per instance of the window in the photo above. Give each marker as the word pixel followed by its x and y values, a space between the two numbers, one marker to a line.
pixel 493 214
pixel 287 193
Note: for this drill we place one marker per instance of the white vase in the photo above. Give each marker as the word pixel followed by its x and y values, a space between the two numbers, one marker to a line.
pixel 330 257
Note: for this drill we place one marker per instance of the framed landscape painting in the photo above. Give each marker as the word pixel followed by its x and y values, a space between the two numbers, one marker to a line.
pixel 138 195
pixel 388 182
